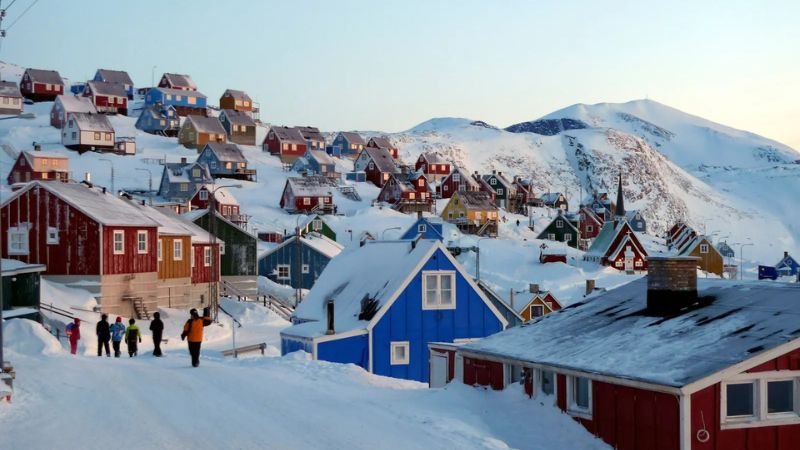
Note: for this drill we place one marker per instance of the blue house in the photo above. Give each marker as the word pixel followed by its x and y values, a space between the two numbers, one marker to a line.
pixel 787 265
pixel 298 263
pixel 159 119
pixel 185 102
pixel 425 227
pixel 348 144
pixel 637 221
pixel 379 306
pixel 226 161
pixel 316 162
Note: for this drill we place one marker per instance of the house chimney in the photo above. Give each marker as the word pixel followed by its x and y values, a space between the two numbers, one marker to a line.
pixel 183 160
pixel 104 189
pixel 37 147
pixel 419 215
pixel 590 286
pixel 671 283
pixel 494 172
pixel 87 177
pixel 511 298
pixel 330 310
pixel 785 254
pixel 533 288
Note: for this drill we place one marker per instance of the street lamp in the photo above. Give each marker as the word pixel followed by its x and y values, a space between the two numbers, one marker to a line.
pixel 111 163
pixel 153 76
pixel 383 234
pixel 150 183
pixel 478 258
pixel 212 292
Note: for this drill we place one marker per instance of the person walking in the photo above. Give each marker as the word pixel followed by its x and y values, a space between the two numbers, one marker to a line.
pixel 133 337
pixel 117 333
pixel 193 329
pixel 74 333
pixel 103 331
pixel 157 327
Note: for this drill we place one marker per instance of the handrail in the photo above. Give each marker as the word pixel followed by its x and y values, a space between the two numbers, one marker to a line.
pixel 56 310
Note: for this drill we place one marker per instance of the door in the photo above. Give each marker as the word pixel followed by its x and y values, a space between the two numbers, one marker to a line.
pixel 438 369
pixel 629 260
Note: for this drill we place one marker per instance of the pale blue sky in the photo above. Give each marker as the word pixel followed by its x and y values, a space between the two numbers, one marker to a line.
pixel 389 65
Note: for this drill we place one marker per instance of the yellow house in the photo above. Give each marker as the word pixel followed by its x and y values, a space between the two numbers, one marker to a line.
pixel 473 208
pixel 540 304
pixel 711 259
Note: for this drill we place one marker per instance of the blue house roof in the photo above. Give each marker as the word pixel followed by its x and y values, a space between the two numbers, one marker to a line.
pixel 433 230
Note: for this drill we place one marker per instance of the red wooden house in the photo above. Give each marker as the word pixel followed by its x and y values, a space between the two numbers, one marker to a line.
pixel 590 224
pixel 108 98
pixel 407 192
pixel 224 203
pixel 662 363
pixel 87 236
pixel 41 85
pixel 377 164
pixel 433 165
pixel 31 166
pixel 383 142
pixel 286 142
pixel 177 81
pixel 305 195
pixel 458 180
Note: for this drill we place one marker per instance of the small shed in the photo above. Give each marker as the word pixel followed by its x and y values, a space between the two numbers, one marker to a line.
pixel 10 98
pixel 316 224
pixel 235 100
pixel 87 131
pixel 21 288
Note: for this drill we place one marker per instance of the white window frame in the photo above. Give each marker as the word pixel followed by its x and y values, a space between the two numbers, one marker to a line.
pixel 761 417
pixel 306 201
pixel 305 269
pixel 23 248
pixel 177 250
pixel 703 248
pixel 536 306
pixel 288 275
pixel 207 256
pixel 204 193
pixel 160 250
pixel 572 408
pixel 121 234
pixel 440 274
pixel 422 228
pixel 52 235
pixel 559 223
pixel 537 384
pixel 139 242
pixel 400 361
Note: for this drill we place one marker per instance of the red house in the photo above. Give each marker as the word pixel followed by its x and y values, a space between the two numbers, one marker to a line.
pixel 457 181
pixel 31 166
pixel 177 81
pixel 108 98
pixel 286 142
pixel 408 192
pixel 41 85
pixel 86 236
pixel 383 142
pixel 377 164
pixel 307 195
pixel 205 264
pixel 433 165
pixel 224 203
pixel 662 363
pixel 590 224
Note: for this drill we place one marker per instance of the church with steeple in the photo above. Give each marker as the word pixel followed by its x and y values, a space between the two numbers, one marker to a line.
pixel 618 244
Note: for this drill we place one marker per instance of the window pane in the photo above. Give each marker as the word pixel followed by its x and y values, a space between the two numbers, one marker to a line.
pixel 740 399
pixel 548 382
pixel 780 396
pixel 581 390
pixel 447 290
pixel 399 352
pixel 432 289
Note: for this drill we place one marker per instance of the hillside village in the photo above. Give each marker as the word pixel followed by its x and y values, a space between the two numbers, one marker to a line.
pixel 406 257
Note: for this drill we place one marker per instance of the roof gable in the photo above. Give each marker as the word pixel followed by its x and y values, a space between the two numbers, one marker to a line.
pixel 225 152
pixel 115 76
pixel 237 117
pixel 44 76
pixel 205 124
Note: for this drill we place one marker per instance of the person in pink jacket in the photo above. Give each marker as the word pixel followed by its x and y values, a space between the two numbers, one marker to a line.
pixel 74 336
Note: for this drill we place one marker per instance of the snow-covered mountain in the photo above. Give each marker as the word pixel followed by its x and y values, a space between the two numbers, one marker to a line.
pixel 676 166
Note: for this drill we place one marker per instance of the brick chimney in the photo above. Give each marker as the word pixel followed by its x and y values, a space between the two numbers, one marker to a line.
pixel 671 283
pixel 533 288
pixel 590 284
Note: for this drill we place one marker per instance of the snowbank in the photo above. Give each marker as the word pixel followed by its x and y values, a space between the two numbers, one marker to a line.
pixel 27 337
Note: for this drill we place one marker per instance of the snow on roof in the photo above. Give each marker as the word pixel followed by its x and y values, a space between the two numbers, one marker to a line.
pixel 238 95
pixel 103 208
pixel 181 92
pixel 382 159
pixel 476 200
pixel 177 79
pixel 36 160
pixel 227 152
pixel 434 158
pixel 106 88
pixel 550 197
pixel 239 117
pixel 464 177
pixel 610 334
pixel 179 172
pixel 314 186
pixel 91 122
pixel 311 133
pixel 503 180
pixel 195 214
pixel 115 76
pixel 72 103
pixel 44 76
pixel 603 240
pixel 205 124
pixel 222 195
pixel 9 89
pixel 353 137
pixel 13 267
pixel 321 244
pixel 288 134
pixel 382 142
pixel 156 111
pixel 321 157
pixel 382 270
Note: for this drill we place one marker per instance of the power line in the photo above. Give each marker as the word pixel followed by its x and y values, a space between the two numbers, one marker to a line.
pixel 21 15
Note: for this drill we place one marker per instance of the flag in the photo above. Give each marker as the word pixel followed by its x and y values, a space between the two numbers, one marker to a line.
pixel 767 272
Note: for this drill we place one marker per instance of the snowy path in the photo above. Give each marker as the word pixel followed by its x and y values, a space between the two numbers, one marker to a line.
pixel 283 403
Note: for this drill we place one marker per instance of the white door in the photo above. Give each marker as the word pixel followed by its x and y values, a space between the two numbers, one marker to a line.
pixel 629 260
pixel 438 369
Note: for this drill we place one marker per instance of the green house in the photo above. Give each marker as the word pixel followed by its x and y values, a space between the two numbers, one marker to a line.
pixel 503 189
pixel 561 229
pixel 21 284
pixel 315 224
pixel 238 259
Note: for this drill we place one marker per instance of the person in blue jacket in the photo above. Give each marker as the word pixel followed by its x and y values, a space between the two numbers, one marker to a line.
pixel 117 333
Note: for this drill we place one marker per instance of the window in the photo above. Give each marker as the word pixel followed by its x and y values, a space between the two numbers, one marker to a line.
pixel 159 249
pixel 306 201
pixel 196 173
pixel 119 242
pixel 316 225
pixel 500 191
pixel 228 165
pixel 96 136
pixel 493 181
pixel 551 236
pixel 411 196
pixel 421 228
pixel 780 397
pixel 559 223
pixel 203 195
pixel 192 100
pixel 547 382
pixel 399 353
pixel 579 396
pixel 207 256
pixel 445 188
pixel 306 269
pixel 221 248
pixel 703 248
pixel 192 257
pixel 567 237
pixel 184 187
pixel 638 263
pixel 283 272
pixel 141 241
pixel 456 177
pixel 438 290
pixel 589 228
pixel 178 98
pixel 478 215
pixel 740 398
pixel 52 235
pixel 5 100
pixel 537 311
pixel 371 165
pixel 177 250
pixel 74 135
pixel 421 183
pixel 169 96
pixel 18 240
pixel 771 397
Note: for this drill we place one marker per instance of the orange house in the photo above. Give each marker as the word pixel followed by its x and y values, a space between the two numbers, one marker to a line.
pixel 540 304
pixel 197 131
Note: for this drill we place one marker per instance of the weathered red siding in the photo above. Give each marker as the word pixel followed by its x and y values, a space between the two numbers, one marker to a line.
pixel 483 373
pixel 200 272
pixel 300 206
pixel 789 361
pixel 77 251
pixel 375 176
pixel 131 261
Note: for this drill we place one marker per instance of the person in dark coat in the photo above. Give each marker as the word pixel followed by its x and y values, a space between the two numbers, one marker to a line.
pixel 133 337
pixel 103 331
pixel 157 327
pixel 193 329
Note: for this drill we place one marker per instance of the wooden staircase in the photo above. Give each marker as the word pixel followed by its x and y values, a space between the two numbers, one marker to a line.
pixel 350 192
pixel 276 305
pixel 141 309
